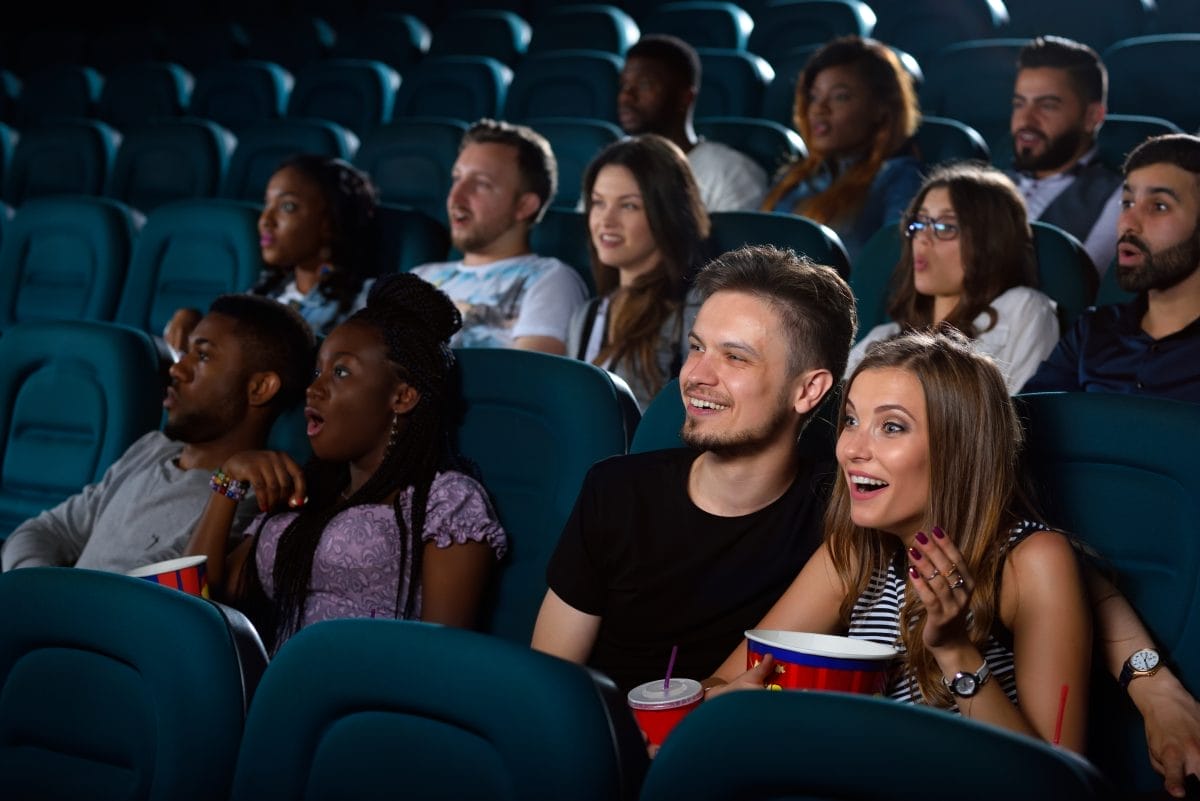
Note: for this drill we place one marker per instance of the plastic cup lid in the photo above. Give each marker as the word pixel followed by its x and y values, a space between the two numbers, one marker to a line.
pixel 651 695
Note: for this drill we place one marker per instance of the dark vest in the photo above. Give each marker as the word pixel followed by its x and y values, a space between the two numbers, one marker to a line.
pixel 1077 207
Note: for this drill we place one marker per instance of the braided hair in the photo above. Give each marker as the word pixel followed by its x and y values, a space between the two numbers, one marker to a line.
pixel 415 321
pixel 351 200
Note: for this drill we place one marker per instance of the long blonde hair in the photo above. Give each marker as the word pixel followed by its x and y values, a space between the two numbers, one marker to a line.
pixel 975 440
pixel 892 91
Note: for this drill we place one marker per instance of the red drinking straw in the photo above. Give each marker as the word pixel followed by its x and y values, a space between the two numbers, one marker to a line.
pixel 1062 707
pixel 670 667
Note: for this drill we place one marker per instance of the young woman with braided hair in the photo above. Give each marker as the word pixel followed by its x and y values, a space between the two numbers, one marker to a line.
pixel 383 479
pixel 319 240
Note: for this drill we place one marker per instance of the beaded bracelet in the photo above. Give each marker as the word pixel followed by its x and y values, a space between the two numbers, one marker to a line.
pixel 222 484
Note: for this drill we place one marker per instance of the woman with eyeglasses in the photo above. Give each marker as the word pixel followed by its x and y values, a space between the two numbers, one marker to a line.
pixel 968 261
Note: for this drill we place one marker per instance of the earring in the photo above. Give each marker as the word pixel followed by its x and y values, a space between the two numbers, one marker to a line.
pixel 325 254
pixel 395 432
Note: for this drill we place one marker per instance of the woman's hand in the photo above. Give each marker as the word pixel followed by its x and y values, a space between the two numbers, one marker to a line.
pixel 943 586
pixel 180 327
pixel 753 679
pixel 274 476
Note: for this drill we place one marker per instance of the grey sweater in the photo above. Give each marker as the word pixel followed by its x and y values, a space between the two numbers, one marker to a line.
pixel 143 510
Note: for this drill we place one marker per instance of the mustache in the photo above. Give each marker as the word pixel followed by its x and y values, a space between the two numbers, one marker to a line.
pixel 1131 239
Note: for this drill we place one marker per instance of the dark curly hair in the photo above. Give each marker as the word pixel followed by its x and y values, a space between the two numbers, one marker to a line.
pixel 415 320
pixel 351 199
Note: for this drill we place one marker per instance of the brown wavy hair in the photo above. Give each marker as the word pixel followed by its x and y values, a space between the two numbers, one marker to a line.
pixel 679 224
pixel 975 493
pixel 891 89
pixel 996 242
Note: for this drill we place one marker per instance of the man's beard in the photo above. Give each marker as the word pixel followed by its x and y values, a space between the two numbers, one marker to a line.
pixel 194 427
pixel 747 442
pixel 1057 153
pixel 1162 270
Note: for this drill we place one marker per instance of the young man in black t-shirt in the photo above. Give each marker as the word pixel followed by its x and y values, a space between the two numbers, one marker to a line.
pixel 690 547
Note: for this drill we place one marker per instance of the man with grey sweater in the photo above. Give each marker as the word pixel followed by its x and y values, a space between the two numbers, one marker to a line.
pixel 248 359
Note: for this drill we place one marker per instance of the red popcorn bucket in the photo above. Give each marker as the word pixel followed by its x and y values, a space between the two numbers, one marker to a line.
pixel 805 661
pixel 186 573
pixel 658 709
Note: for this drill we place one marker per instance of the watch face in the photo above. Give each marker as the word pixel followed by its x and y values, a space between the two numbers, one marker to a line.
pixel 1144 660
pixel 964 684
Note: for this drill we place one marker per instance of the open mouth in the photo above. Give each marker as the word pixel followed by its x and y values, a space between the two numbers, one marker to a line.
pixel 706 405
pixel 315 422
pixel 866 486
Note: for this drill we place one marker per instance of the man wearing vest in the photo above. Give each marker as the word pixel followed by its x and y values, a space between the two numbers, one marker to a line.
pixel 1058 106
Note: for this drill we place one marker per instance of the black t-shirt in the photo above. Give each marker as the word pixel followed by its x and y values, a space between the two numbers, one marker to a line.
pixel 662 572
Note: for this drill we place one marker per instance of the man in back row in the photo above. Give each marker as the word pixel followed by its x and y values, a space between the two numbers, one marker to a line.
pixel 1059 102
pixel 659 85
pixel 247 360
pixel 502 182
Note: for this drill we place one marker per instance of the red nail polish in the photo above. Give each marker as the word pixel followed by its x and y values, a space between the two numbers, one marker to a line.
pixel 937 532
pixel 912 571
pixel 921 538
pixel 915 554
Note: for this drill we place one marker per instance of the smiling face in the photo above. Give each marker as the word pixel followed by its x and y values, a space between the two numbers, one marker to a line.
pixel 487 202
pixel 842 113
pixel 883 451
pixel 1160 228
pixel 294 226
pixel 1051 125
pixel 353 398
pixel 209 392
pixel 735 384
pixel 619 226
pixel 938 269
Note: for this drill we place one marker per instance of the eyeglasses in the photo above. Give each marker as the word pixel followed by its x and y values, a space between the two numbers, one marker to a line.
pixel 940 230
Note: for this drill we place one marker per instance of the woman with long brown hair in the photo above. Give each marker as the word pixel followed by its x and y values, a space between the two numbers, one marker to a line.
pixel 930 546
pixel 647 229
pixel 856 110
pixel 967 260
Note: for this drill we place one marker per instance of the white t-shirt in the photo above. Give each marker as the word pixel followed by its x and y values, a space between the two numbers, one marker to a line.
pixel 525 296
pixel 1025 332
pixel 728 180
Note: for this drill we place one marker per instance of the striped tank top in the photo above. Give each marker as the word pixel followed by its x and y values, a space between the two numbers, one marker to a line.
pixel 876 618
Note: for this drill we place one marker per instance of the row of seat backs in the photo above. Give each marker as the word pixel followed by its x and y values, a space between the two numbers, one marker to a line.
pixel 112 687
pixel 189 157
pixel 362 94
pixel 77 257
pixel 402 34
pixel 138 691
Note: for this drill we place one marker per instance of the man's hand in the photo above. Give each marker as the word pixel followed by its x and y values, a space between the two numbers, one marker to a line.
pixel 1172 719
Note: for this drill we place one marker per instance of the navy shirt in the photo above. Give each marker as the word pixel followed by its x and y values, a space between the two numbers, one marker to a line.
pixel 1107 351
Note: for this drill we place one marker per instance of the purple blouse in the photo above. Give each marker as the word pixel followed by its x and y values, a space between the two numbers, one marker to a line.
pixel 356 568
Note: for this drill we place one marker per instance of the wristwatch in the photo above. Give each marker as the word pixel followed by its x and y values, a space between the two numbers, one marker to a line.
pixel 1144 662
pixel 965 685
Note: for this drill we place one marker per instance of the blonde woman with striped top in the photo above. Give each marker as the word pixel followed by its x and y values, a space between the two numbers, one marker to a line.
pixel 931 547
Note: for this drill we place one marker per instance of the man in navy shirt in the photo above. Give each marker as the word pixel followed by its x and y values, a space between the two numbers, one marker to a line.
pixel 1150 345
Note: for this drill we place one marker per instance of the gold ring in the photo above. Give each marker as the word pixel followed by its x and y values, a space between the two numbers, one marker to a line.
pixel 933 575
